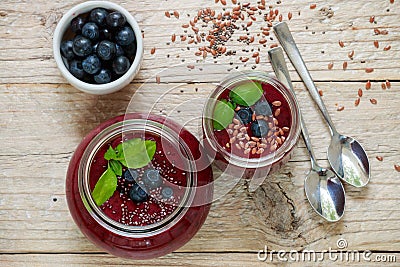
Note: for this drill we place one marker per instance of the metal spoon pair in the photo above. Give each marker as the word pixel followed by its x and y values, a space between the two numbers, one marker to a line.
pixel 345 155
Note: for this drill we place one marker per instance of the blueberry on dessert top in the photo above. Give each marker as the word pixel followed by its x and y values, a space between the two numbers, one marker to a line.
pixel 130 175
pixel 245 115
pixel 259 128
pixel 167 192
pixel 152 178
pixel 263 108
pixel 138 194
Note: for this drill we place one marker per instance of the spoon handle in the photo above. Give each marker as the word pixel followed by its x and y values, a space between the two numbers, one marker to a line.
pixel 282 73
pixel 286 40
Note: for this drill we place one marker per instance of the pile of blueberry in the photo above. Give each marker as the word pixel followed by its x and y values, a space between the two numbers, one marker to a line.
pixel 103 47
pixel 151 179
pixel 259 128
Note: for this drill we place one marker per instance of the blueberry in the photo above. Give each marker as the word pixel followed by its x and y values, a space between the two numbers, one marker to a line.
pixel 167 192
pixel 98 16
pixel 106 50
pixel 152 178
pixel 125 36
pixel 245 115
pixel 259 128
pixel 119 51
pixel 263 108
pixel 91 64
pixel 130 50
pixel 75 67
pixel 104 76
pixel 77 24
pixel 66 49
pixel 121 65
pixel 91 30
pixel 115 20
pixel 82 46
pixel 138 194
pixel 130 175
pixel 106 34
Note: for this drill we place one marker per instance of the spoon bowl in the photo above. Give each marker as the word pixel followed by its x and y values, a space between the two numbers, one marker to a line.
pixel 349 160
pixel 325 193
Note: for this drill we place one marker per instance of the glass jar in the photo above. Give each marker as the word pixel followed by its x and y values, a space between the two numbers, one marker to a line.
pixel 248 165
pixel 148 240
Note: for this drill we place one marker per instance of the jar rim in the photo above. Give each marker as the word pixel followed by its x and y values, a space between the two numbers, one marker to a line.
pixel 266 160
pixel 110 132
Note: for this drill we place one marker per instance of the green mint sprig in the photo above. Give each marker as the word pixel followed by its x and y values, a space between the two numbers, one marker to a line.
pixel 134 153
pixel 246 94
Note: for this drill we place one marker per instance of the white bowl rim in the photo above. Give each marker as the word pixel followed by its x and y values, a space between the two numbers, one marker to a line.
pixel 97 88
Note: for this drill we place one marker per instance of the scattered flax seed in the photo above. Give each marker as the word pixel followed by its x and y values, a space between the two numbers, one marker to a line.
pixel 341 43
pixel 185 25
pixel 387 48
pixel 391 1
pixel 173 37
pixel 397 167
pixel 373 101
pixel 223 2
pixel 232 140
pixel 345 65
pixel 234 2
pixel 273 45
pixel 320 92
pixel 383 85
pixel 371 19
pixel 153 50
pixel 245 59
pixel 277 112
pixel 340 108
pixel 167 14
pixel 176 14
pixel 313 6
pixel 277 103
pixel 357 101
pixel 236 121
pixel 384 32
pixel 360 92
pixel 280 17
pixel 376 44
pixel 285 129
pixel 257 60
pixel 238 146
pixel 377 31
pixel 254 150
pixel 379 158
pixel 256 54
pixel 255 139
pixel 247 151
pixel 369 70
pixel 351 54
pixel 330 65
pixel 388 84
pixel 368 85
pixel 158 79
pixel 289 15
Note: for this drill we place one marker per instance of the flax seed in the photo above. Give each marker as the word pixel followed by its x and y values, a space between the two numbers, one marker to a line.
pixel 345 65
pixel 360 92
pixel 236 121
pixel 245 59
pixel 371 19
pixel 247 151
pixel 341 43
pixel 241 144
pixel 373 101
pixel 176 14
pixel 260 117
pixel 273 45
pixel 243 129
pixel 153 50
pixel 238 146
pixel 289 15
pixel 377 31
pixel 234 2
pixel 388 84
pixel 277 112
pixel 369 70
pixel 330 65
pixel 223 2
pixel 387 48
pixel 167 14
pixel 262 145
pixel 379 158
pixel 240 136
pixel 384 32
pixel 229 131
pixel 340 108
pixel 279 140
pixel 397 167
pixel 230 126
pixel 262 41
pixel 254 150
pixel 247 137
pixel 285 129
pixel 368 85
pixel 185 25
pixel 237 127
pixel 158 79
pixel 257 60
pixel 351 54
pixel 276 122
pixel 252 143
pixel 281 132
pixel 183 38
pixel 383 85
pixel 173 37
pixel 376 44
pixel 313 6
pixel 235 132
pixel 232 140
pixel 391 1
pixel 260 151
pixel 357 101
pixel 320 92
pixel 204 54
pixel 277 103
pixel 256 139
pixel 273 148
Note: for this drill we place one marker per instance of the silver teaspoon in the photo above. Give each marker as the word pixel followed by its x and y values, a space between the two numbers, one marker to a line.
pixel 323 189
pixel 345 154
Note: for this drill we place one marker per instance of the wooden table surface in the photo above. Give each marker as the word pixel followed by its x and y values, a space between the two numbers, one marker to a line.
pixel 43 119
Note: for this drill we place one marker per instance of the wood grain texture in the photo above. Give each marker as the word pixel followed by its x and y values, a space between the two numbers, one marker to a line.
pixel 42 120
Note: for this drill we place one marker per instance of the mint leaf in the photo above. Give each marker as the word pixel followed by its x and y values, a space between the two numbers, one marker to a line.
pixel 138 153
pixel 120 152
pixel 246 94
pixel 105 187
pixel 223 115
pixel 110 154
pixel 116 167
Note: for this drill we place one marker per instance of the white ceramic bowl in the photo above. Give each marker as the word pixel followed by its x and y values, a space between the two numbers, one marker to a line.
pixel 97 89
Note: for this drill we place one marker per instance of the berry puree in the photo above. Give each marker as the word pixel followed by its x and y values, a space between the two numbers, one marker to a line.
pixel 162 198
pixel 241 137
